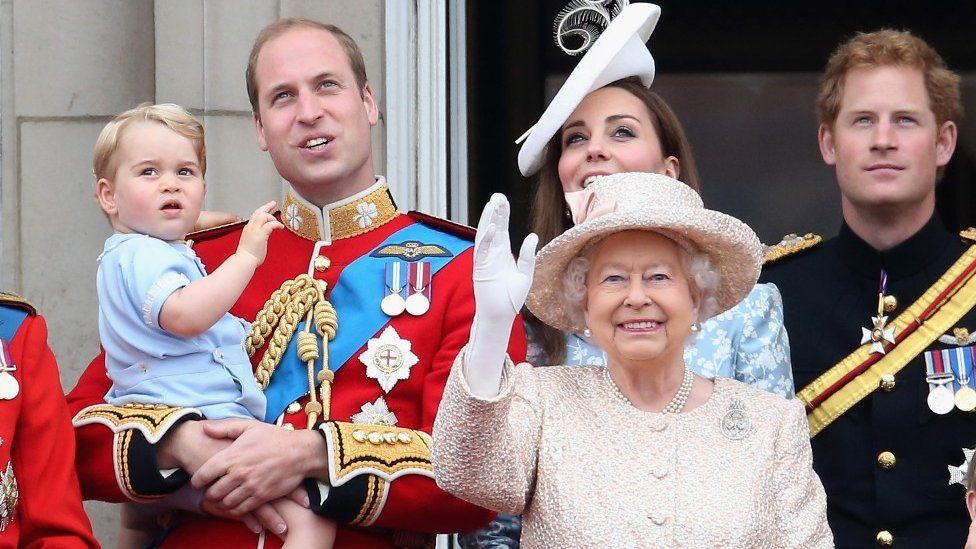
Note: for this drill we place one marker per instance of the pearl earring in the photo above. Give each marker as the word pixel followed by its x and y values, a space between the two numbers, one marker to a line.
pixel 695 327
pixel 587 332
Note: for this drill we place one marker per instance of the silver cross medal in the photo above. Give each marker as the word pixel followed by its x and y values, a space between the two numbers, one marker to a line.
pixel 879 333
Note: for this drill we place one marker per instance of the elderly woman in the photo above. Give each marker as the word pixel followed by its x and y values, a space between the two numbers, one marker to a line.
pixel 643 452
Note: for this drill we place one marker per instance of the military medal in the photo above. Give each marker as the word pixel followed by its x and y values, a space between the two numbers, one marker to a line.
pixel 961 361
pixel 957 473
pixel 9 388
pixel 940 399
pixel 879 333
pixel 393 304
pixel 375 413
pixel 9 496
pixel 419 301
pixel 388 359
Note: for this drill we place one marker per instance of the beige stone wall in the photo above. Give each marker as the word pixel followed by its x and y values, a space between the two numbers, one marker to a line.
pixel 68 66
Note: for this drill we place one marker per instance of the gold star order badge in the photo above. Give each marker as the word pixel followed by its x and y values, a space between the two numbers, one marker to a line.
pixel 375 413
pixel 878 334
pixel 388 359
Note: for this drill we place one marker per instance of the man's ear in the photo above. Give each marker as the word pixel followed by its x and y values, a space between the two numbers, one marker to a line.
pixel 105 195
pixel 945 143
pixel 825 137
pixel 369 102
pixel 259 129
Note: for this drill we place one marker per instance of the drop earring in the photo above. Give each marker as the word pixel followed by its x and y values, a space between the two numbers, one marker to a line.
pixel 587 332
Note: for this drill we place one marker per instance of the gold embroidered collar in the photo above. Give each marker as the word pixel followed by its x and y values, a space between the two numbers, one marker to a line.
pixel 358 214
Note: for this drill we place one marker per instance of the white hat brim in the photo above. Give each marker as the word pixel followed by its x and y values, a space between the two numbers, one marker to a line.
pixel 618 53
pixel 732 247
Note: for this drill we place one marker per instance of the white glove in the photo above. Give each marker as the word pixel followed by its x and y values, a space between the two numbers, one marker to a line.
pixel 500 287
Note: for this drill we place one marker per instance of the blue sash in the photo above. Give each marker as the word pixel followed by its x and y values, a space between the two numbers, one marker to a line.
pixel 356 297
pixel 10 320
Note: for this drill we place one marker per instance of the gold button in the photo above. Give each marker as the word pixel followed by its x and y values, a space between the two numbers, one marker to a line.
pixel 885 538
pixel 375 438
pixel 322 263
pixel 288 426
pixel 890 303
pixel 404 438
pixel 886 460
pixel 293 408
pixel 887 383
pixel 389 437
pixel 359 435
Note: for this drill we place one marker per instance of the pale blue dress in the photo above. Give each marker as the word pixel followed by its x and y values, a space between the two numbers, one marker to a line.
pixel 148 365
pixel 748 343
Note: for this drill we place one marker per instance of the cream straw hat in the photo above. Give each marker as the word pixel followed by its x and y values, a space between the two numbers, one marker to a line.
pixel 651 202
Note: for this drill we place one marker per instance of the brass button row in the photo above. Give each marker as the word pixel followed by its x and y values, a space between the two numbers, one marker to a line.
pixel 885 539
pixel 376 437
pixel 886 460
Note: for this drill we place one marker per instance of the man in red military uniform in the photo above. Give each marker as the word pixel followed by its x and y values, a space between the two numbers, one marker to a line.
pixel 40 504
pixel 358 314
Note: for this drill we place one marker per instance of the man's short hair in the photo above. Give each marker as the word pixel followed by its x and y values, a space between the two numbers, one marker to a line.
pixel 172 116
pixel 885 48
pixel 280 27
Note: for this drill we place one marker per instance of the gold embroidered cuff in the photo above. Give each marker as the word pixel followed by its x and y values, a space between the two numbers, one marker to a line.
pixel 153 420
pixel 387 452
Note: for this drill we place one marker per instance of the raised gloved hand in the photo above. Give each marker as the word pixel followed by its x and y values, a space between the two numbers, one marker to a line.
pixel 500 287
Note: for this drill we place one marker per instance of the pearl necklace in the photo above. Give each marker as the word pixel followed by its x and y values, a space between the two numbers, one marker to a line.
pixel 677 401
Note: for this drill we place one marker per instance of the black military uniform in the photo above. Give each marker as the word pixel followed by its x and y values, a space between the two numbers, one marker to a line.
pixel 885 462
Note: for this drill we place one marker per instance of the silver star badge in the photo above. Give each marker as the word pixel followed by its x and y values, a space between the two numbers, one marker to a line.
pixel 375 413
pixel 957 474
pixel 388 359
pixel 878 334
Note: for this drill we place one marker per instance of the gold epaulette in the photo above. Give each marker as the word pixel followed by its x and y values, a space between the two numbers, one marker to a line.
pixel 790 245
pixel 13 300
pixel 968 234
pixel 213 232
pixel 446 225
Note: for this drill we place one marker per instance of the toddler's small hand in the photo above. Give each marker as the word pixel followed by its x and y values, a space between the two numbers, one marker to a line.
pixel 254 238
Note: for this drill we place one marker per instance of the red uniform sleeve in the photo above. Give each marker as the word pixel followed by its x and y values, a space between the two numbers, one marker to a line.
pixel 415 502
pixel 50 510
pixel 115 467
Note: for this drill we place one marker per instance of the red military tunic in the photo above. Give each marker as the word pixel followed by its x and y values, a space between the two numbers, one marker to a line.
pixel 382 493
pixel 40 503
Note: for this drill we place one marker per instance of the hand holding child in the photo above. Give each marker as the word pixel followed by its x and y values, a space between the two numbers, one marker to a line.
pixel 254 238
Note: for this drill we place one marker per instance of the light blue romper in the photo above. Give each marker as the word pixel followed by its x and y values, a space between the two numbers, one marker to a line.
pixel 148 365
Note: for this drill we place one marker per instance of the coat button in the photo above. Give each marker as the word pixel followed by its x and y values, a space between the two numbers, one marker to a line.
pixel 294 408
pixel 321 263
pixel 359 435
pixel 887 383
pixel 890 303
pixel 886 460
pixel 885 539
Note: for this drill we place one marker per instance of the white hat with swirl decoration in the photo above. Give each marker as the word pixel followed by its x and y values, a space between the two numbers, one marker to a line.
pixel 619 52
pixel 648 202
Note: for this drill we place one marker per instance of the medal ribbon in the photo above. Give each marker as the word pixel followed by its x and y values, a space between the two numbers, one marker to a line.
pixel 357 303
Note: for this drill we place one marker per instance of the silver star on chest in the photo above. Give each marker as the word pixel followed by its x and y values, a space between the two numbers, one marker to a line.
pixel 375 413
pixel 957 473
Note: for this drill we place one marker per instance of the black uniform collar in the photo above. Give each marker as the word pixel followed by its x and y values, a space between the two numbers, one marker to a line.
pixel 911 256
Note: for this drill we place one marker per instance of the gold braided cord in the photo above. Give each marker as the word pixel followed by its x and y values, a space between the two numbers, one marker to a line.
pixel 303 297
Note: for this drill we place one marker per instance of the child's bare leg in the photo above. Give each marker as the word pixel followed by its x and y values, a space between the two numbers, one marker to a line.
pixel 305 528
pixel 137 527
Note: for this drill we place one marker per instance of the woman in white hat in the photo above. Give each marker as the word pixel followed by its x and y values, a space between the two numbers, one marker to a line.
pixel 642 452
pixel 605 120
